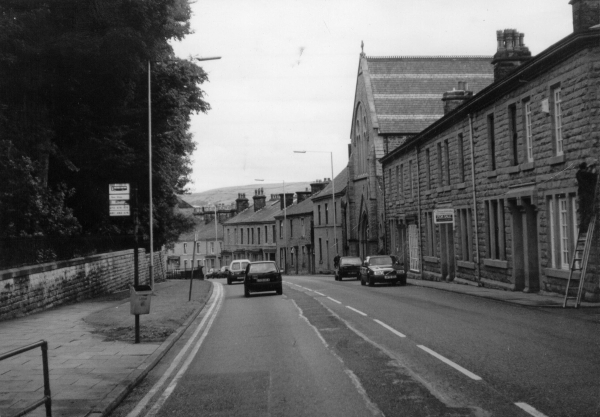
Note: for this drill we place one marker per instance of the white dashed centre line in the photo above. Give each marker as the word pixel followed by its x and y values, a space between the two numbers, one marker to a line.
pixel 357 311
pixel 317 292
pixel 452 364
pixel 529 409
pixel 391 329
pixel 334 300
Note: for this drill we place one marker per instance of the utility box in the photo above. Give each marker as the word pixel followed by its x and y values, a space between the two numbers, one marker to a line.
pixel 140 296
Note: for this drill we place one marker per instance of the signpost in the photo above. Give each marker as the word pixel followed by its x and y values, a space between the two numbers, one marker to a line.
pixel 443 216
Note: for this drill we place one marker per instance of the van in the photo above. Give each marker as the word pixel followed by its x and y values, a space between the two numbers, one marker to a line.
pixel 237 269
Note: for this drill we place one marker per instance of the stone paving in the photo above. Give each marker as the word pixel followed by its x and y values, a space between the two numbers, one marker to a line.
pixel 87 373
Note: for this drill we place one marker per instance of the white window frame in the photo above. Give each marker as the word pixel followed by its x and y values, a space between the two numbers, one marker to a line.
pixel 558 137
pixel 528 130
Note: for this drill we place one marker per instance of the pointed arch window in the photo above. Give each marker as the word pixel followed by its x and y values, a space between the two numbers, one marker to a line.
pixel 361 139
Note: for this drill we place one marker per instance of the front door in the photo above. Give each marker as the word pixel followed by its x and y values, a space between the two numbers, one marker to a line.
pixel 447 251
pixel 526 274
pixel 413 246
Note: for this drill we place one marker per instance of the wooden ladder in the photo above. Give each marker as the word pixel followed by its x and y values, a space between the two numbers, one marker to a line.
pixel 579 261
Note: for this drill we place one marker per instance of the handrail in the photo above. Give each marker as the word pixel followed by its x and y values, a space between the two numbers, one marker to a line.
pixel 46 399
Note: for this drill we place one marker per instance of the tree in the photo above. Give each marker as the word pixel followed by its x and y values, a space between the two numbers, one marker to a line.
pixel 73 99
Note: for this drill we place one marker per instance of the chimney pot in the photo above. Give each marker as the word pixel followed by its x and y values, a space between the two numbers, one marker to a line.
pixel 586 13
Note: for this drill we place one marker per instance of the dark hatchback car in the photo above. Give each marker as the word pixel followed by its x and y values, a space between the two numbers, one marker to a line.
pixel 349 267
pixel 262 276
pixel 381 268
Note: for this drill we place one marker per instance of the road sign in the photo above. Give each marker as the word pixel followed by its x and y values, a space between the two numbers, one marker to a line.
pixel 118 202
pixel 118 188
pixel 119 207
pixel 443 216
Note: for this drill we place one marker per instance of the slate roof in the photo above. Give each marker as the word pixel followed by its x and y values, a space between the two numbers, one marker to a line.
pixel 305 207
pixel 407 91
pixel 264 215
pixel 339 183
pixel 205 231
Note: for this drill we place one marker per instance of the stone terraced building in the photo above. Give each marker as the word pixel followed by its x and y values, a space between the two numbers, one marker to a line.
pixel 502 163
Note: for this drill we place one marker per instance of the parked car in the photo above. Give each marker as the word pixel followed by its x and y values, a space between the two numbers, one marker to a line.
pixel 262 276
pixel 223 272
pixel 349 267
pixel 237 270
pixel 381 268
pixel 211 273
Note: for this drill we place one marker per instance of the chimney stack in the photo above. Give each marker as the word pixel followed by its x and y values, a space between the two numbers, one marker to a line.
pixel 302 195
pixel 318 185
pixel 289 200
pixel 241 203
pixel 586 13
pixel 259 199
pixel 456 97
pixel 511 52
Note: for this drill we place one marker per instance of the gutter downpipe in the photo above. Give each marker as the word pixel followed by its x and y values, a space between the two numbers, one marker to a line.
pixel 385 224
pixel 474 200
pixel 419 214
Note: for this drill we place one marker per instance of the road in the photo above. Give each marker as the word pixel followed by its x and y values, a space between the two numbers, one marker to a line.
pixel 330 348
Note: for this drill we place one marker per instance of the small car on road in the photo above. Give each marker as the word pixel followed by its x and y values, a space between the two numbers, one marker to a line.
pixel 381 268
pixel 262 276
pixel 211 273
pixel 237 270
pixel 349 267
pixel 223 272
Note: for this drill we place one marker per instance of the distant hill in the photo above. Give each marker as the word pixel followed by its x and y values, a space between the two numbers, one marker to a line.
pixel 228 195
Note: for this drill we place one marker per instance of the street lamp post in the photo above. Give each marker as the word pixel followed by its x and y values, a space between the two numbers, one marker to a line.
pixel 151 267
pixel 284 216
pixel 335 240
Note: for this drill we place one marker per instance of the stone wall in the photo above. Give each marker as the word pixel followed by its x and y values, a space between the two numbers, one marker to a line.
pixel 32 289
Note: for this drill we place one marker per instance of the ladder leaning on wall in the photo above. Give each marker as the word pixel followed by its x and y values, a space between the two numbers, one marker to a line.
pixel 581 255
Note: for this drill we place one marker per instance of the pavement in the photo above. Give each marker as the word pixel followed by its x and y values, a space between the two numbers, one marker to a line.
pixel 94 363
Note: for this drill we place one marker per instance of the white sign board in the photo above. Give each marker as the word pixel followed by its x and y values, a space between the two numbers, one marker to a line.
pixel 118 188
pixel 443 216
pixel 118 200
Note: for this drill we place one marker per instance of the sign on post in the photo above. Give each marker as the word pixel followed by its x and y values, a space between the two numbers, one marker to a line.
pixel 118 200
pixel 443 216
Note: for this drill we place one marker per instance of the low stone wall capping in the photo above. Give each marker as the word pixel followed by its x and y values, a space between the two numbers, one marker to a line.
pixel 31 289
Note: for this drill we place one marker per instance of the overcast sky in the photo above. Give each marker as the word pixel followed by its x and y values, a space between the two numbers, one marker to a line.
pixel 287 76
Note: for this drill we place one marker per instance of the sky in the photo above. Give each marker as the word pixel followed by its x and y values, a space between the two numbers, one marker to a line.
pixel 287 74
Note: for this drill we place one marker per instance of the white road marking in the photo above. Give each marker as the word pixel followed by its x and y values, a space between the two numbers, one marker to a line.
pixel 334 300
pixel 529 409
pixel 215 304
pixel 317 292
pixel 452 364
pixel 391 329
pixel 357 311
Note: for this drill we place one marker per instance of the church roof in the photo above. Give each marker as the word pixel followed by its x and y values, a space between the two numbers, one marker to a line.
pixel 407 91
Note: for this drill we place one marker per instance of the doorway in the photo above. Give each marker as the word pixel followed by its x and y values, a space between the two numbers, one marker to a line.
pixel 526 274
pixel 448 265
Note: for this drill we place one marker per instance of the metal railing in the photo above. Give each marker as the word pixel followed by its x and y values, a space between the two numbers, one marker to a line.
pixel 46 399
pixel 17 252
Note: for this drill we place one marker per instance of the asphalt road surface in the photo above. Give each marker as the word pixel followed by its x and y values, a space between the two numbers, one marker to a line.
pixel 328 348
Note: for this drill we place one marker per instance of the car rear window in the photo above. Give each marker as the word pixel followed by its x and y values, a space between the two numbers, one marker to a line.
pixel 350 261
pixel 381 260
pixel 268 267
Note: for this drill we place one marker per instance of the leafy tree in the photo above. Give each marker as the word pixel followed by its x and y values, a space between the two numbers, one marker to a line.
pixel 73 98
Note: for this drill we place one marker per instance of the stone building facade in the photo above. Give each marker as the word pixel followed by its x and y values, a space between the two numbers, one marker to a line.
pixel 502 165
pixel 329 241
pixel 395 98
pixel 252 234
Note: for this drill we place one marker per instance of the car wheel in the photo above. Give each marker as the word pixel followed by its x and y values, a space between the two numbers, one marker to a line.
pixel 228 281
pixel 371 282
pixel 246 292
pixel 280 290
pixel 403 282
pixel 361 281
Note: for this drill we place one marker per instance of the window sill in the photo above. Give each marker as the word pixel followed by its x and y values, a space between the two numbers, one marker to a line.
pixel 446 188
pixel 496 263
pixel 560 273
pixel 557 160
pixel 431 259
pixel 511 169
pixel 465 264
pixel 527 166
pixel 428 192
pixel 492 174
pixel 461 186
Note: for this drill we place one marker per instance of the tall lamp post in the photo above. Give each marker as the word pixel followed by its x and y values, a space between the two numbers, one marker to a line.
pixel 335 240
pixel 216 232
pixel 151 268
pixel 284 215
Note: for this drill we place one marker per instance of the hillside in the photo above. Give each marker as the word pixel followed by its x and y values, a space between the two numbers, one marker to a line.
pixel 228 195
